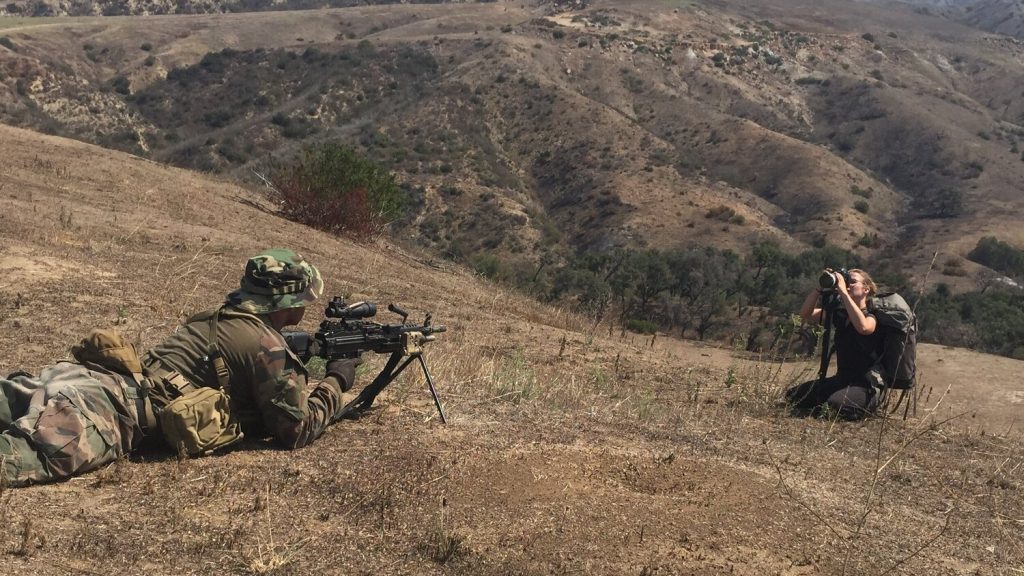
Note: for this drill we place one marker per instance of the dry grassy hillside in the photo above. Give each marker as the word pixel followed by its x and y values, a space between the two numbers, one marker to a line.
pixel 553 128
pixel 1000 16
pixel 569 450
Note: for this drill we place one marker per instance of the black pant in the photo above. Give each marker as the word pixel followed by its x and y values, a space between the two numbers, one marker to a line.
pixel 851 402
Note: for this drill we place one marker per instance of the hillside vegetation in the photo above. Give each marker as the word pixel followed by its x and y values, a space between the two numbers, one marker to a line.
pixel 568 449
pixel 542 132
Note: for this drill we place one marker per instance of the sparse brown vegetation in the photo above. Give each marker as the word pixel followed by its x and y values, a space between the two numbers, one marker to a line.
pixel 583 140
pixel 569 448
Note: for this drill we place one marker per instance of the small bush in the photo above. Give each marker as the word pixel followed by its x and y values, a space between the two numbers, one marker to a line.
pixel 146 47
pixel 954 267
pixel 217 118
pixel 298 129
pixel 721 212
pixel 999 256
pixel 942 203
pixel 121 85
pixel 486 265
pixel 6 43
pixel 335 189
pixel 869 241
pixel 861 206
pixel 641 326
pixel 862 192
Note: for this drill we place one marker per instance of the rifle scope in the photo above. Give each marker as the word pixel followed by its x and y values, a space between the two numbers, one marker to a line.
pixel 338 308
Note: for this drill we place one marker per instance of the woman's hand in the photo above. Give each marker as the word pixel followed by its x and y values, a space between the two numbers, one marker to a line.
pixel 840 282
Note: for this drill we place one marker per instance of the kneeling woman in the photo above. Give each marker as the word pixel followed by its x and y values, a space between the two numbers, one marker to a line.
pixel 849 392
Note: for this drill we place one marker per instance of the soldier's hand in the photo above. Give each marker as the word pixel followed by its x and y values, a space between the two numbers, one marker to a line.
pixel 344 369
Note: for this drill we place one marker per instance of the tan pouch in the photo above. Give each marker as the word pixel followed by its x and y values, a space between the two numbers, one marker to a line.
pixel 199 422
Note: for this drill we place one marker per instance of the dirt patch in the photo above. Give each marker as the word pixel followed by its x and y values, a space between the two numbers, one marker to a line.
pixel 22 268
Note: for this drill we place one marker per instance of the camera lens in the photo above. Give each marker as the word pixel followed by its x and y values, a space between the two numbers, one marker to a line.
pixel 827 281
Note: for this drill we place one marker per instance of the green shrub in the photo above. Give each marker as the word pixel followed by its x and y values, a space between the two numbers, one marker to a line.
pixel 990 321
pixel 861 206
pixel 335 189
pixel 999 256
pixel 721 212
pixel 862 192
pixel 942 203
pixel 486 265
pixel 869 241
pixel 641 326
pixel 6 43
pixel 121 85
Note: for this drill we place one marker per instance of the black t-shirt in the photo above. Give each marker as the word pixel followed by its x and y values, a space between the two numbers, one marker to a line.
pixel 855 353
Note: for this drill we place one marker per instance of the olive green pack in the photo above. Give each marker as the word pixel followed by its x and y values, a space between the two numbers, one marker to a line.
pixel 199 422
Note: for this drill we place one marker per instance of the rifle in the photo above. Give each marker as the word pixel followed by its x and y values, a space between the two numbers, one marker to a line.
pixel 345 333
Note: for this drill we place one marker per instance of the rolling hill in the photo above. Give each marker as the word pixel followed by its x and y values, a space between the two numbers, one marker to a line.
pixel 555 129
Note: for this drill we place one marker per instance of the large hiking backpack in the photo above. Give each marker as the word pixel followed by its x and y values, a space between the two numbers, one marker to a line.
pixel 898 325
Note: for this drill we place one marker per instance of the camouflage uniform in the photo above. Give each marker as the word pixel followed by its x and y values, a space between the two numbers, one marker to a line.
pixel 74 418
pixel 71 419
pixel 269 389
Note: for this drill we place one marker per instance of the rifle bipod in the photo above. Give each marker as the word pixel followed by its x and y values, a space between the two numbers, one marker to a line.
pixel 367 395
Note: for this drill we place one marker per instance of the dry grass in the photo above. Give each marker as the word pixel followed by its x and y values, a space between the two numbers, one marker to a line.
pixel 568 450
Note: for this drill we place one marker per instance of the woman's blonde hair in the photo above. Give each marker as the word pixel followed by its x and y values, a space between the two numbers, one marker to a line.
pixel 866 279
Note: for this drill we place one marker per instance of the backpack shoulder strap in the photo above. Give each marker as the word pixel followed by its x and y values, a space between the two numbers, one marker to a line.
pixel 220 368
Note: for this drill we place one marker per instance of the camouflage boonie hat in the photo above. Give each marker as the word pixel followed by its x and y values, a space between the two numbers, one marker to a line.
pixel 275 280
